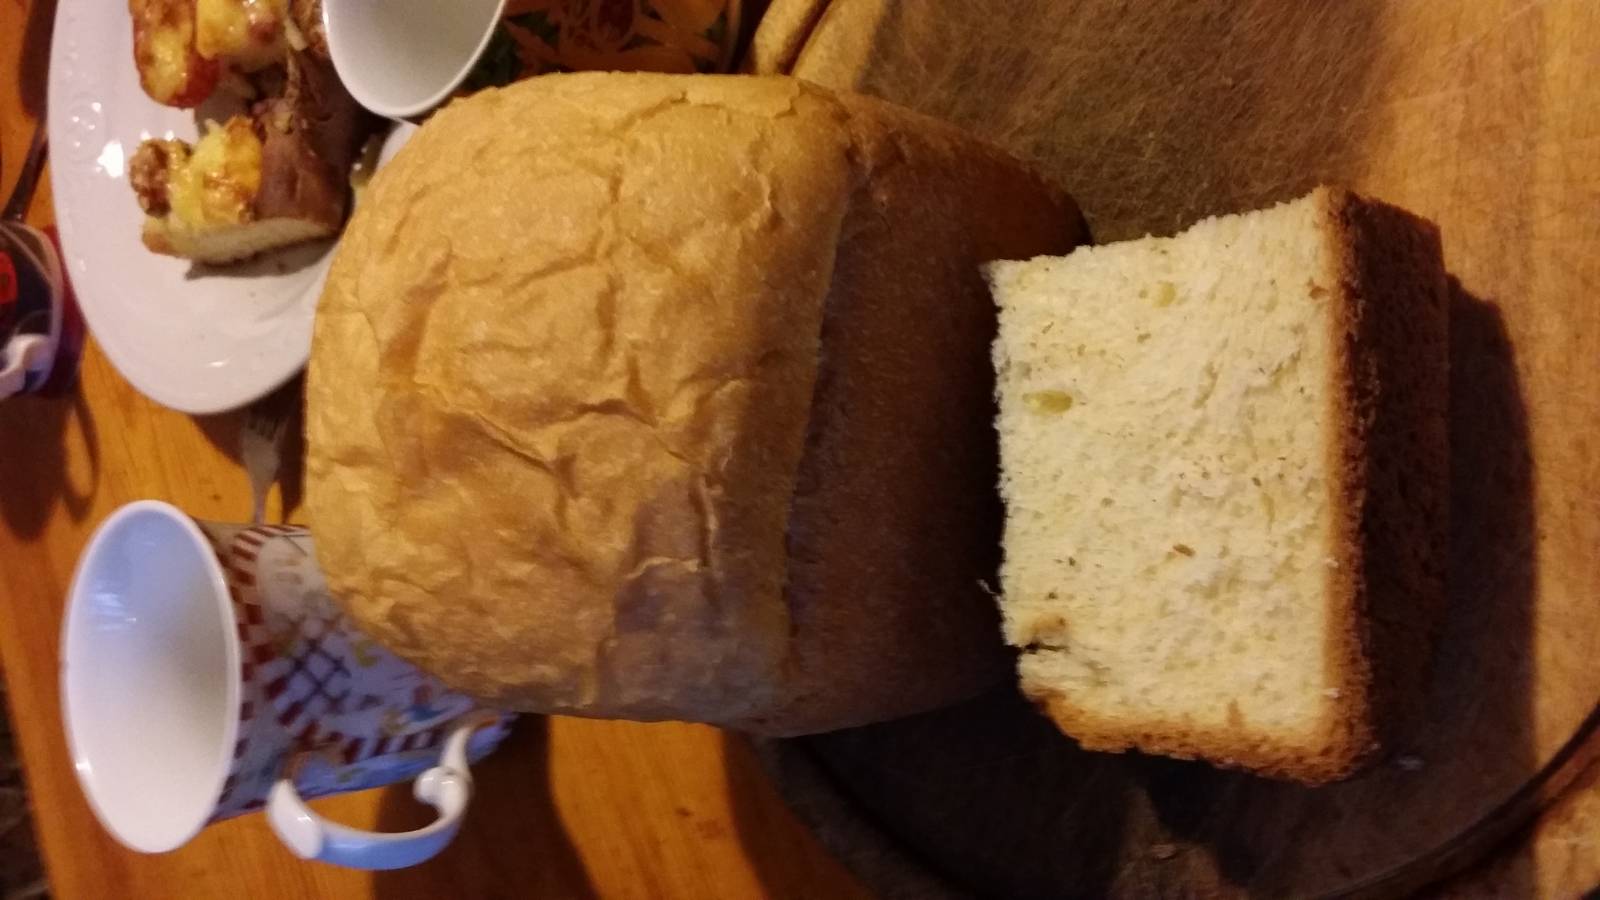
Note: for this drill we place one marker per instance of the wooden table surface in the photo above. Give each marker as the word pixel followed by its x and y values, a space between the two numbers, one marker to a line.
pixel 567 808
pixel 1482 116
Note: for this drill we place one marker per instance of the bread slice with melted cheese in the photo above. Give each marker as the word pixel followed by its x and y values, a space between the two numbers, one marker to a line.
pixel 202 202
pixel 254 183
pixel 184 48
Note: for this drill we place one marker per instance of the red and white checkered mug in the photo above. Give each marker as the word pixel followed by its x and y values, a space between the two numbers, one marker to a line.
pixel 206 673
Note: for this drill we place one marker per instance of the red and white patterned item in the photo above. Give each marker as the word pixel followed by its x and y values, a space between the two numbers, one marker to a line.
pixel 320 698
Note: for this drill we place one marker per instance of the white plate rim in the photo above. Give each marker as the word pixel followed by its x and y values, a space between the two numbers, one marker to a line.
pixel 256 333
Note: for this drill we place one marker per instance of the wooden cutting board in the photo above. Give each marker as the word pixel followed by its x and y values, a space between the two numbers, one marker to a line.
pixel 1483 115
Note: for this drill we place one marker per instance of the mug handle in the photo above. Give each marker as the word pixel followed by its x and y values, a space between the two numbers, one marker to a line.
pixel 26 354
pixel 446 787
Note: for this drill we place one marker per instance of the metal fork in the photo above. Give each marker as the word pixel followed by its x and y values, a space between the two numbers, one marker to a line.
pixel 261 443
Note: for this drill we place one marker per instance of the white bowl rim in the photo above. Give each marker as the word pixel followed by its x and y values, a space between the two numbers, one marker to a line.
pixel 109 531
pixel 417 107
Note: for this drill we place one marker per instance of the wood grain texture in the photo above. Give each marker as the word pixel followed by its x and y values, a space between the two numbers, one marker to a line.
pixel 617 810
pixel 567 808
pixel 1482 116
pixel 1558 856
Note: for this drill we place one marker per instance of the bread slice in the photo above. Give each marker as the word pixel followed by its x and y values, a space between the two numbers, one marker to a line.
pixel 1205 440
pixel 229 242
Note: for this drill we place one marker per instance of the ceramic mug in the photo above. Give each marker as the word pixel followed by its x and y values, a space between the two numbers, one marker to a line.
pixel 206 673
pixel 32 301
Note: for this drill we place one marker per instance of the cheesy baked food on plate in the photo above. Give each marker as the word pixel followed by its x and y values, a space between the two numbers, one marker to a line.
pixel 272 175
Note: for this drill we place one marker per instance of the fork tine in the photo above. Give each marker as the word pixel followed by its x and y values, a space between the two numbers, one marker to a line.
pixel 261 441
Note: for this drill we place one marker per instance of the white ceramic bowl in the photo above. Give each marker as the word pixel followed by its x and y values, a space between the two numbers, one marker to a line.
pixel 401 58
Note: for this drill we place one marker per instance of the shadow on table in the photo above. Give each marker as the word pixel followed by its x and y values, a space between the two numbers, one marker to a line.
pixel 225 431
pixel 786 854
pixel 33 460
pixel 1493 535
pixel 33 67
pixel 980 799
pixel 512 843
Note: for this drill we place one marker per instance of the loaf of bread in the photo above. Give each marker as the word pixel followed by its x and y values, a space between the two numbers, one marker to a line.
pixel 669 397
pixel 1224 467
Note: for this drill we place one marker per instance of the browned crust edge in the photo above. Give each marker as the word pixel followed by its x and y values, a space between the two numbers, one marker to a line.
pixel 919 631
pixel 1396 264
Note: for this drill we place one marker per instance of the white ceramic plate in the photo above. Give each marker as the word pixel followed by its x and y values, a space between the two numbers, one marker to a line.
pixel 194 338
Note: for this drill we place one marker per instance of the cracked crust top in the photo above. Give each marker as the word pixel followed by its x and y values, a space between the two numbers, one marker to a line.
pixel 561 400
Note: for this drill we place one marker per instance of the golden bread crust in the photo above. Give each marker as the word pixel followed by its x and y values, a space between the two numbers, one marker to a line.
pixel 562 443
